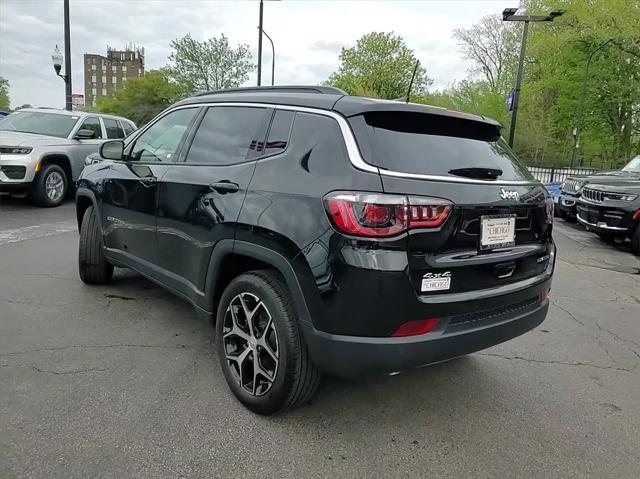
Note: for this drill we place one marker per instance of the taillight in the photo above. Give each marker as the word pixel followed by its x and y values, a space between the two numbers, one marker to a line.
pixel 380 215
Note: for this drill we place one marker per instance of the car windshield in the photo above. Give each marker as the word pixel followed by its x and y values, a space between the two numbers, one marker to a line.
pixel 50 124
pixel 633 165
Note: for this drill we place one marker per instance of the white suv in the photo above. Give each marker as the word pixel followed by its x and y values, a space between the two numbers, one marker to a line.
pixel 42 151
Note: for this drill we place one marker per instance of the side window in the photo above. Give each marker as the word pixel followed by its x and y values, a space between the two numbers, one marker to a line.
pixel 161 141
pixel 113 128
pixel 279 132
pixel 319 139
pixel 227 134
pixel 127 127
pixel 92 123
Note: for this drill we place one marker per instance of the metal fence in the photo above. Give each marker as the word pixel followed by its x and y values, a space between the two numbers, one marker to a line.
pixel 550 174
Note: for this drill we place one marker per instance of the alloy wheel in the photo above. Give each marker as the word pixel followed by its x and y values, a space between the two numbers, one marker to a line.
pixel 54 186
pixel 250 342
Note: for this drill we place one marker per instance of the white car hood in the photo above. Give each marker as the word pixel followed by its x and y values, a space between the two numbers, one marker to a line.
pixel 16 138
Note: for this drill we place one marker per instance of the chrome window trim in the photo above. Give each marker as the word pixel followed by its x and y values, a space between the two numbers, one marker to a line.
pixel 350 142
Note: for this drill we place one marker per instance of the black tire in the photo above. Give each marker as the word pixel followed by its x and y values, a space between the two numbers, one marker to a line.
pixel 635 241
pixel 295 378
pixel 39 192
pixel 92 265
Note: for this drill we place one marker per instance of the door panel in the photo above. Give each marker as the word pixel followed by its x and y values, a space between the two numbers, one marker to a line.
pixel 129 208
pixel 200 200
pixel 130 198
pixel 193 216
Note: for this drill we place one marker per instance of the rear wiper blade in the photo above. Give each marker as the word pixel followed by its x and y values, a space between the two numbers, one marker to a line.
pixel 476 172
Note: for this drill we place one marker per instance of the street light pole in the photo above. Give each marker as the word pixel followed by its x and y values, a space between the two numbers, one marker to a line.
pixel 67 58
pixel 260 45
pixel 516 93
pixel 583 94
pixel 273 58
pixel 509 15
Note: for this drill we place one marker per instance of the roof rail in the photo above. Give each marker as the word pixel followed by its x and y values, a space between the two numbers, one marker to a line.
pixel 325 90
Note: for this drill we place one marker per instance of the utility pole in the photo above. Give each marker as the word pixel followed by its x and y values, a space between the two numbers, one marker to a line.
pixel 509 15
pixel 67 58
pixel 516 93
pixel 259 45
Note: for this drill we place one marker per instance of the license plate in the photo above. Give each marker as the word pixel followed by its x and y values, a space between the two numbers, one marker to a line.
pixel 436 284
pixel 497 231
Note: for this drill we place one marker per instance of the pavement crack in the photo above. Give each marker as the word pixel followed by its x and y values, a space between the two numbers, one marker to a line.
pixel 607 352
pixel 562 363
pixel 56 373
pixel 117 296
pixel 569 313
pixel 623 341
pixel 103 346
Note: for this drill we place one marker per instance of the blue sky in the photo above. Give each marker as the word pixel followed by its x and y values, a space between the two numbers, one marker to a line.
pixel 308 35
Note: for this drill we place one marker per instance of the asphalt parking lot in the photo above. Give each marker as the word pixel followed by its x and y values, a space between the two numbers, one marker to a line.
pixel 122 381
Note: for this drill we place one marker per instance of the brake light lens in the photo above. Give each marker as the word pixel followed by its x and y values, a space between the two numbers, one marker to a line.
pixel 383 216
pixel 414 328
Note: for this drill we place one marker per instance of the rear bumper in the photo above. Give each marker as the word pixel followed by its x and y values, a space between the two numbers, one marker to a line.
pixel 352 356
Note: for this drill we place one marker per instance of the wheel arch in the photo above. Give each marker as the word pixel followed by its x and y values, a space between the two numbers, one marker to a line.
pixel 59 159
pixel 84 199
pixel 231 258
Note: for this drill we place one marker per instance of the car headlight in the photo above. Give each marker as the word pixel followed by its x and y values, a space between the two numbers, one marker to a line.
pixel 15 150
pixel 629 197
pixel 577 187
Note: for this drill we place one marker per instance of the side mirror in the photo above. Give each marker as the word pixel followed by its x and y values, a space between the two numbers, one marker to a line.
pixel 112 150
pixel 84 134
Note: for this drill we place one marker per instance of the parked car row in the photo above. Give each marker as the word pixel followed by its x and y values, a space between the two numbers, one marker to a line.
pixel 43 151
pixel 607 203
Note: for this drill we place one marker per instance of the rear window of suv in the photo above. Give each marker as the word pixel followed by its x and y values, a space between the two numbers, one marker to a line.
pixel 434 145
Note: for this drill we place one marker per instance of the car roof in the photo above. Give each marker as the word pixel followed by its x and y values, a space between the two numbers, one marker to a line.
pixel 325 98
pixel 80 114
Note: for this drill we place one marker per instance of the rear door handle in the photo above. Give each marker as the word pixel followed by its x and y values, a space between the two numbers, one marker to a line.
pixel 148 180
pixel 224 186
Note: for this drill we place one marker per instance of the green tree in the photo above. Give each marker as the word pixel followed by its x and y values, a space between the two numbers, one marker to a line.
pixel 379 65
pixel 209 65
pixel 554 69
pixel 5 104
pixel 141 98
pixel 557 59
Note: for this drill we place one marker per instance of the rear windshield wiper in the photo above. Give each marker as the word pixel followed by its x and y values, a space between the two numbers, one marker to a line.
pixel 476 172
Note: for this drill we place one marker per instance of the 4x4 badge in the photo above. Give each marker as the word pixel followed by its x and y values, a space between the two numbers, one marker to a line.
pixel 509 194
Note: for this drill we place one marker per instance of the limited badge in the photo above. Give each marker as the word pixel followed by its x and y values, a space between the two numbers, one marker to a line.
pixel 436 281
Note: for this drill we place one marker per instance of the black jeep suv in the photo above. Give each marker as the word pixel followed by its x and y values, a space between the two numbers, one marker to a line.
pixel 572 186
pixel 324 232
pixel 611 209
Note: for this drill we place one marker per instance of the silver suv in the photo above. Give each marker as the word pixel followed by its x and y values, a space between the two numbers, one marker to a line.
pixel 42 151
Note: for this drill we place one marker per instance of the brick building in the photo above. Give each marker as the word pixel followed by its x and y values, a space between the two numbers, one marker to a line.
pixel 102 74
